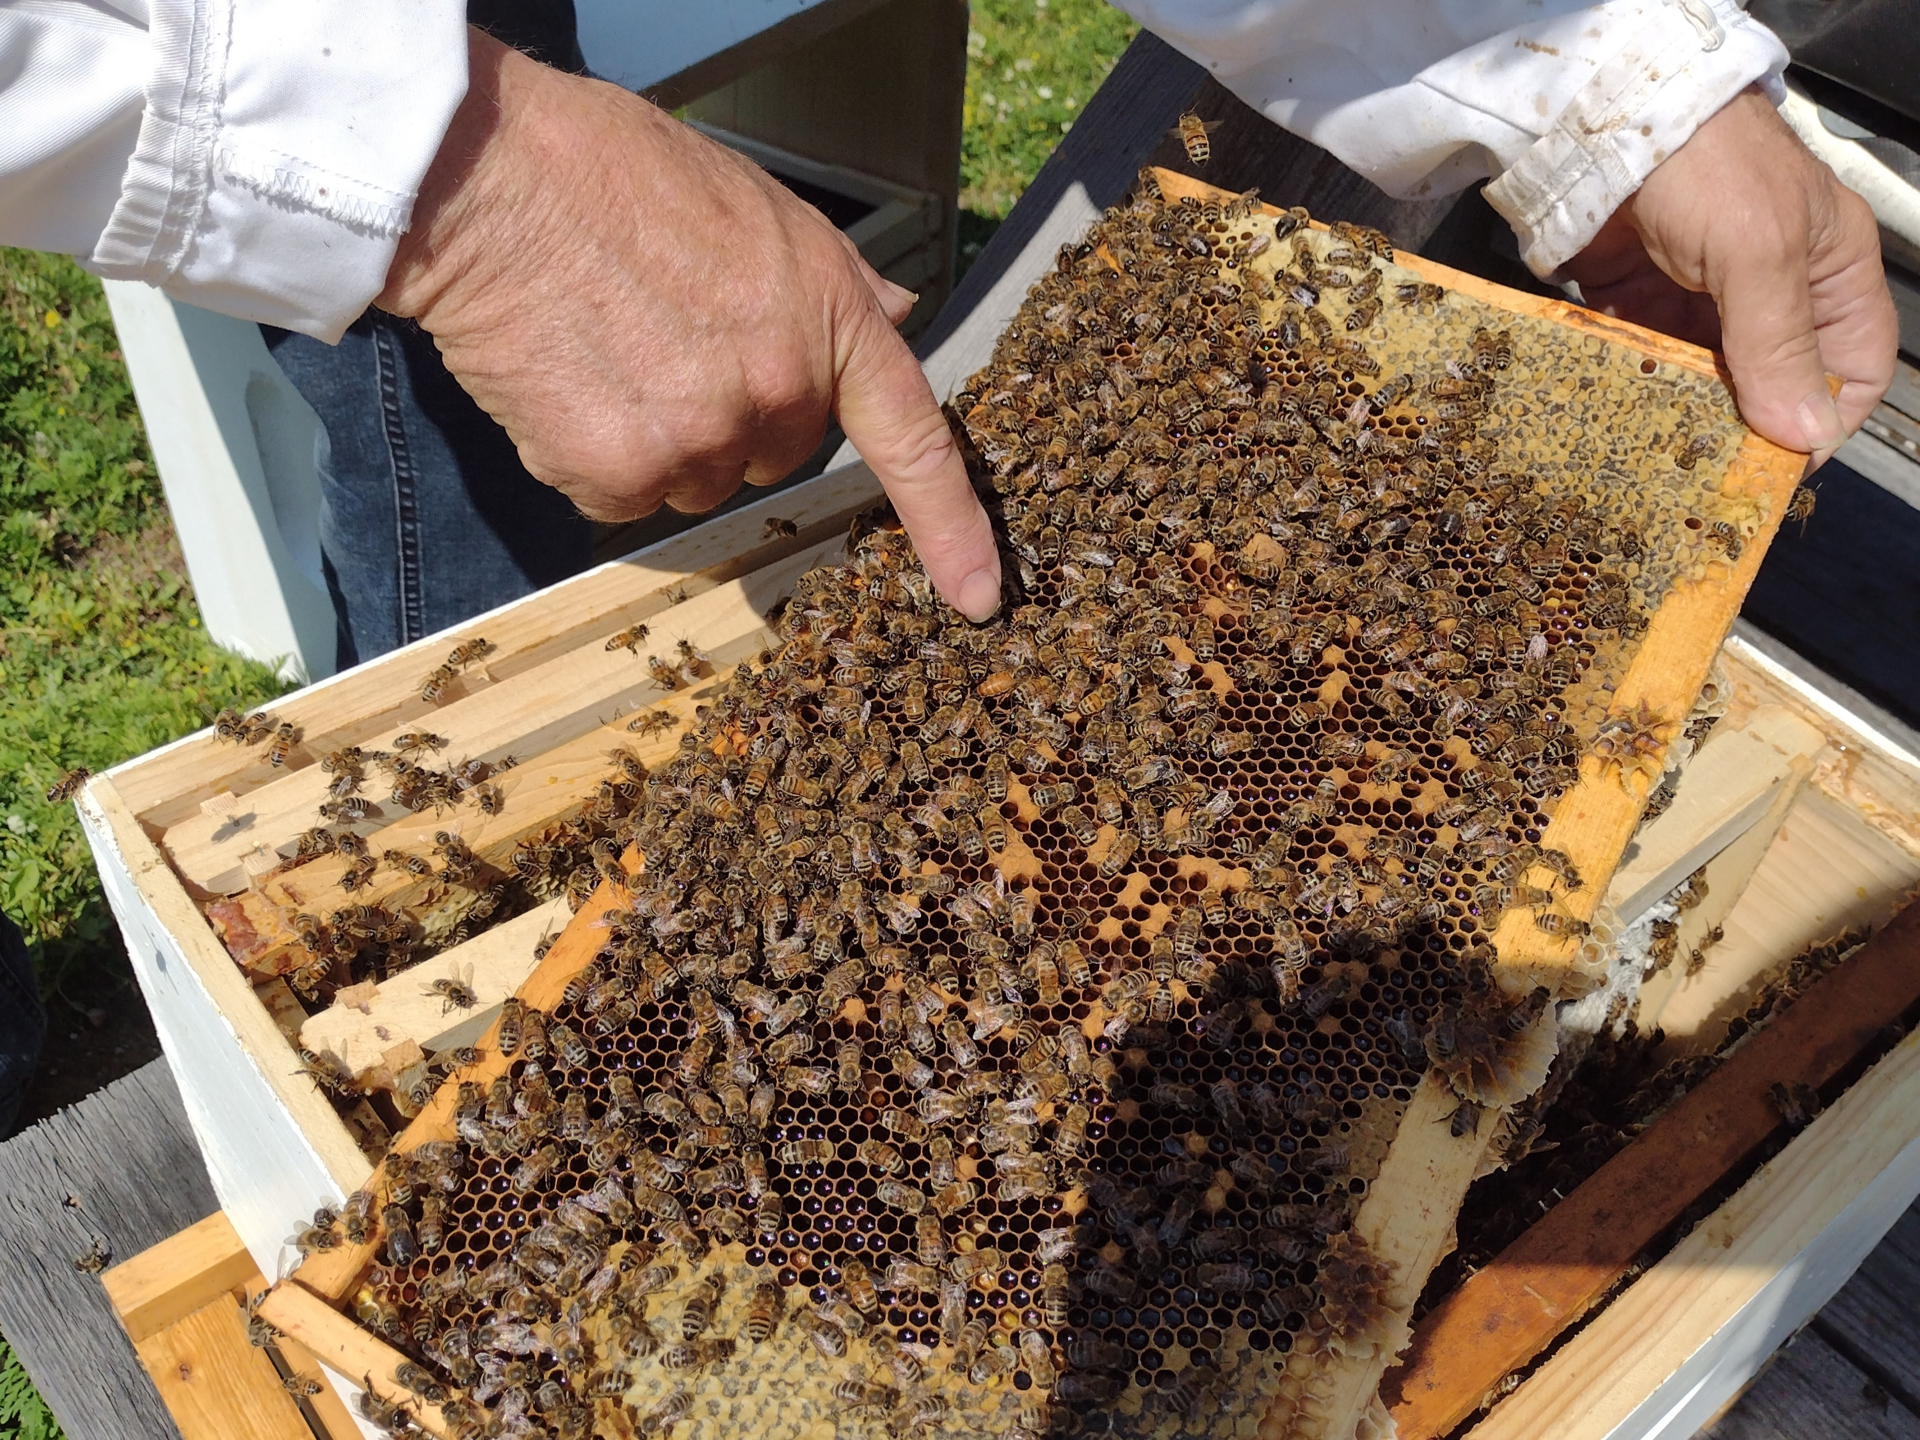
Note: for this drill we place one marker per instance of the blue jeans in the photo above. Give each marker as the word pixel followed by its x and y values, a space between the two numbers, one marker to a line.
pixel 427 516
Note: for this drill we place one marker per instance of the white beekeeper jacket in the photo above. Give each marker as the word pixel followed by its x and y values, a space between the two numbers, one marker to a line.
pixel 262 159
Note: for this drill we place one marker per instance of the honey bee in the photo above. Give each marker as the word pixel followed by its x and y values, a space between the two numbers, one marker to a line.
pixel 95 1258
pixel 1800 505
pixel 414 742
pixel 1192 133
pixel 68 785
pixel 469 652
pixel 285 737
pixel 1694 451
pixel 434 687
pixel 696 1313
pixel 629 639
pixel 1727 536
pixel 668 1413
pixel 777 527
pixel 825 1336
pixel 764 1310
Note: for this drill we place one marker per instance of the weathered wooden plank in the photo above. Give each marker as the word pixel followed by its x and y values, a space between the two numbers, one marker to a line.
pixel 120 1165
pixel 1876 1315
pixel 1811 1392
pixel 1508 1312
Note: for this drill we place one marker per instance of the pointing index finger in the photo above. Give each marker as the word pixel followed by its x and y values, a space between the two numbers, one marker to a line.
pixel 888 411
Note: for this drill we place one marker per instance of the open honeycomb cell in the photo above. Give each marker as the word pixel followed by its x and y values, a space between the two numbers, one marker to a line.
pixel 1010 1018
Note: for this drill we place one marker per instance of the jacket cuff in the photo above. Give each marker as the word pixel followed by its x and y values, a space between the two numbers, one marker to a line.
pixel 280 152
pixel 1642 105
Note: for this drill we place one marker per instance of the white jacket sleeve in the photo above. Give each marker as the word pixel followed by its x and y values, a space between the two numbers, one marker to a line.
pixel 1568 105
pixel 253 157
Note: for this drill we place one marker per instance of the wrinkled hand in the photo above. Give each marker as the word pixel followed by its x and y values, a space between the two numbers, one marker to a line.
pixel 1742 240
pixel 653 319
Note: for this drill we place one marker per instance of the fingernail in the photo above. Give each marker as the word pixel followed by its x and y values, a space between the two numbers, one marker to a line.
pixel 1820 422
pixel 979 594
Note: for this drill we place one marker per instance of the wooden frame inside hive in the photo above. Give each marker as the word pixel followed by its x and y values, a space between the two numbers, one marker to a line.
pixel 1326 1387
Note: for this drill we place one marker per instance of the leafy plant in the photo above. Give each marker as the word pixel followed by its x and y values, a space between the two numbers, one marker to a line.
pixel 23 1414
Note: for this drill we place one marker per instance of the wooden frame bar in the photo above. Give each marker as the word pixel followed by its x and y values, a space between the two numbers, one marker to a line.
pixel 181 1304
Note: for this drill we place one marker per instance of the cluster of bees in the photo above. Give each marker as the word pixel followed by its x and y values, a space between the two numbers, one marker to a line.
pixel 260 728
pixel 467 653
pixel 369 941
pixel 1011 1017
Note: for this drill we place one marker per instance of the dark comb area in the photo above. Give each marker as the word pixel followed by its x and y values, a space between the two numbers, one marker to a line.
pixel 1009 1019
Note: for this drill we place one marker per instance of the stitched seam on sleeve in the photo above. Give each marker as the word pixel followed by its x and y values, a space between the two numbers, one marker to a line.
pixel 287 180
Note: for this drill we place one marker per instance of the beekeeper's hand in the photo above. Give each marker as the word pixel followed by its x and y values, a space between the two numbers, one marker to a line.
pixel 1744 241
pixel 653 319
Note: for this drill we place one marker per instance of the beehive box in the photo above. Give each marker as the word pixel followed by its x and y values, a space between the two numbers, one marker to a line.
pixel 1732 503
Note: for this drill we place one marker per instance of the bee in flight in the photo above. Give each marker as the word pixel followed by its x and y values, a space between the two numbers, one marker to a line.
pixel 1193 132
pixel 68 785
pixel 628 639
pixel 455 993
pixel 779 525
pixel 1800 506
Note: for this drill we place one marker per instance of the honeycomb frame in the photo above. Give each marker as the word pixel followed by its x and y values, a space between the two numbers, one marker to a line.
pixel 1324 1385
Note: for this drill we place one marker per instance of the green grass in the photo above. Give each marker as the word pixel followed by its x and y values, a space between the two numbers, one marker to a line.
pixel 23 1414
pixel 1031 66
pixel 101 652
